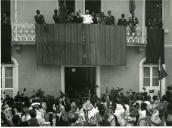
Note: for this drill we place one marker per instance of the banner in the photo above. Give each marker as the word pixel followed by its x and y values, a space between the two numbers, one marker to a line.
pixel 80 44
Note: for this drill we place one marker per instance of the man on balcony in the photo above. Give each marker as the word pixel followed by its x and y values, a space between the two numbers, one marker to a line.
pixel 56 17
pixel 87 18
pixel 110 20
pixel 39 18
pixel 122 21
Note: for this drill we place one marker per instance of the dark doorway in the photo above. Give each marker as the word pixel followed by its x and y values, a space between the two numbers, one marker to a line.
pixel 80 81
pixel 5 32
pixel 70 5
pixel 153 9
pixel 93 5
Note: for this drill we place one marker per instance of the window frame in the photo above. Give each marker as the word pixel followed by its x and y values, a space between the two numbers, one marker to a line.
pixel 141 77
pixel 151 74
pixel 14 89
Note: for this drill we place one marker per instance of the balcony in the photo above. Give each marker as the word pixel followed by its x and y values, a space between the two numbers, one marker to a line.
pixel 24 34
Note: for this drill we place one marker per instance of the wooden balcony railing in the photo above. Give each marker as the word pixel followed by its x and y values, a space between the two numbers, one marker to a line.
pixel 22 33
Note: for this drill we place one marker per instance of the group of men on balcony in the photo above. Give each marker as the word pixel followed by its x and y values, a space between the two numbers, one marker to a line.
pixel 87 18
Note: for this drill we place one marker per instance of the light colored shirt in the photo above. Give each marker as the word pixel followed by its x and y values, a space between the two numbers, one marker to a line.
pixel 142 114
pixel 87 19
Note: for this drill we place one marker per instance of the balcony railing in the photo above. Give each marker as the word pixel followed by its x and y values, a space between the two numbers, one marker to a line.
pixel 22 33
pixel 138 37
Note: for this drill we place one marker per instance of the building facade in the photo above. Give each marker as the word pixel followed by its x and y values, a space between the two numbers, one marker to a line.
pixel 134 75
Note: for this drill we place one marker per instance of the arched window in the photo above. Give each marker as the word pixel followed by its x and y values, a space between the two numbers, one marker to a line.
pixel 149 78
pixel 9 79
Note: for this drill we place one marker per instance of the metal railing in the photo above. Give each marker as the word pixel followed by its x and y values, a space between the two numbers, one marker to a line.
pixel 22 33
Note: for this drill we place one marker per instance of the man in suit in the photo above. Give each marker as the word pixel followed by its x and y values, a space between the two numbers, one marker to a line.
pixel 39 18
pixel 122 21
pixel 56 17
pixel 110 20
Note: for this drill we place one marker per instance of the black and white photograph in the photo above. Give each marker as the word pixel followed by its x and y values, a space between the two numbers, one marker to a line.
pixel 80 63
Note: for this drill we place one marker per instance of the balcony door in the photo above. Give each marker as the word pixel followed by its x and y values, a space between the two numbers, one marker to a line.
pixel 80 81
pixel 5 32
pixel 93 5
pixel 70 5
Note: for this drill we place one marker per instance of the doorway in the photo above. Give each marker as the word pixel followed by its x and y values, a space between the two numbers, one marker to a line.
pixel 93 6
pixel 80 81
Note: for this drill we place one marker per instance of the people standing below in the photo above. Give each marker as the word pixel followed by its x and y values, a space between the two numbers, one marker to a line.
pixel 39 18
pixel 122 21
pixel 33 121
pixel 87 18
pixel 56 17
pixel 110 20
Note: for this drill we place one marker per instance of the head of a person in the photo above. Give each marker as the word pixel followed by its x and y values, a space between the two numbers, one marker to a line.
pixel 4 14
pixel 86 11
pixel 72 14
pixel 38 12
pixel 155 97
pixel 164 98
pixel 55 11
pixel 77 13
pixel 33 113
pixel 102 13
pixel 109 12
pixel 143 106
pixel 16 120
pixel 123 16
pixel 73 106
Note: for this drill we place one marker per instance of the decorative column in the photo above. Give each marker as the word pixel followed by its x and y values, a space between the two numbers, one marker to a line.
pixel 143 22
pixel 15 16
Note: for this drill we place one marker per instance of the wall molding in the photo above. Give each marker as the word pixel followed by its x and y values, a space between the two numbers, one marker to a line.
pixel 168 45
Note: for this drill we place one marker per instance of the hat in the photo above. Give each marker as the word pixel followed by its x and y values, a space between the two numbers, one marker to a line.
pixel 35 104
pixel 147 102
pixel 87 106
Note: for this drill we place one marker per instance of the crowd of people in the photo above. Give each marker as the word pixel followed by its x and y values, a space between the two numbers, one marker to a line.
pixel 87 18
pixel 112 109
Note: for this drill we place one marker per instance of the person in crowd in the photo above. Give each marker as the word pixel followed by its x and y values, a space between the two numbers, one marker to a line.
pixel 39 18
pixel 4 121
pixel 56 17
pixel 142 111
pixel 149 23
pixel 87 18
pixel 122 21
pixel 33 121
pixel 39 114
pixel 94 18
pixel 4 19
pixel 77 18
pixel 101 18
pixel 110 20
pixel 70 18
pixel 168 111
pixel 133 20
pixel 25 116
pixel 16 120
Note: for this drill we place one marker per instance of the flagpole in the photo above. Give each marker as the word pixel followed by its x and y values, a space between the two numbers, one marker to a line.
pixel 159 73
